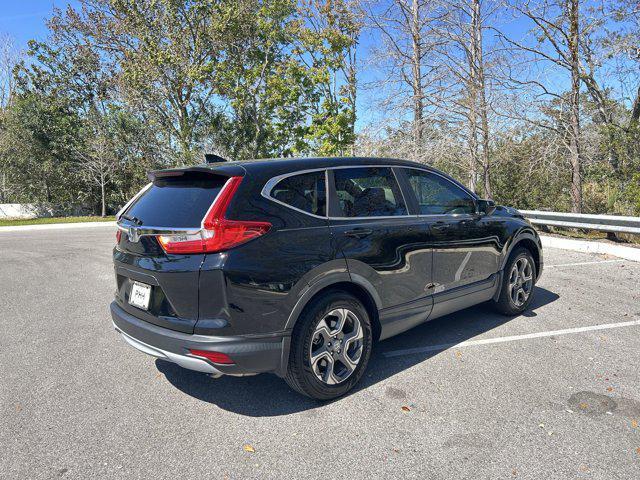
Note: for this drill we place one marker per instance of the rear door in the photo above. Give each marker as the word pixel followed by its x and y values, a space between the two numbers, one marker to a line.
pixel 176 202
pixel 466 247
pixel 381 241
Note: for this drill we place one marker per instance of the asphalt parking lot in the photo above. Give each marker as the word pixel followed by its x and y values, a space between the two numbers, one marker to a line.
pixel 549 394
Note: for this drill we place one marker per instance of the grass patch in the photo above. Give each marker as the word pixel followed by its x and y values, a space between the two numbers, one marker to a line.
pixel 46 221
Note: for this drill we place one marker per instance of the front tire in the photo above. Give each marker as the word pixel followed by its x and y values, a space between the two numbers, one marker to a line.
pixel 330 346
pixel 518 280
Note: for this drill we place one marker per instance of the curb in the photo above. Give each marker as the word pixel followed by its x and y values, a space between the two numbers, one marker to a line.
pixel 57 226
pixel 628 253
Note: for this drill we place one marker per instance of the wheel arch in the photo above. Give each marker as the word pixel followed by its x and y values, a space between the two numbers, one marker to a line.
pixel 529 240
pixel 357 286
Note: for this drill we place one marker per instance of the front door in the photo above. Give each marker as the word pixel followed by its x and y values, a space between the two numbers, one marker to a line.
pixel 466 244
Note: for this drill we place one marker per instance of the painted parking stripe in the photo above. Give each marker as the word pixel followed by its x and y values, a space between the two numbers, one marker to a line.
pixel 56 226
pixel 584 263
pixel 512 338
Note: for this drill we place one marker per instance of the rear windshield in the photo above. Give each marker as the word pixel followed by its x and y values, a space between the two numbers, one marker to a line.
pixel 176 202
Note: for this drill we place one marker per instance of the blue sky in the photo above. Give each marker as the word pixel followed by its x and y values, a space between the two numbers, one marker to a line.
pixel 25 20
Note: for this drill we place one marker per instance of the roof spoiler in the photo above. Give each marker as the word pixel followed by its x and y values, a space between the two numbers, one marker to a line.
pixel 213 158
pixel 227 171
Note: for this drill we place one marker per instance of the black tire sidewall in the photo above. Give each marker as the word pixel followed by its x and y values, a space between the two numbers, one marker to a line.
pixel 505 301
pixel 301 341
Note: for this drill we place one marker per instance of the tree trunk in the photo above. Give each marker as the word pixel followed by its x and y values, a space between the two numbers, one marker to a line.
pixel 418 105
pixel 574 121
pixel 472 115
pixel 3 188
pixel 473 152
pixel 635 111
pixel 482 98
pixel 353 91
pixel 102 192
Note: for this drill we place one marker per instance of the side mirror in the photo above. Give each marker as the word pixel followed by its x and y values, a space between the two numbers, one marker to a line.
pixel 486 207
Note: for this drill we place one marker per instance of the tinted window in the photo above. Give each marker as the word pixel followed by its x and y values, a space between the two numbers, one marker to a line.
pixel 305 192
pixel 368 192
pixel 437 195
pixel 177 202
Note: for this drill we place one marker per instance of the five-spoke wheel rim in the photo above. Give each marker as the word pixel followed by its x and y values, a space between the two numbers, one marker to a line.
pixel 336 346
pixel 520 281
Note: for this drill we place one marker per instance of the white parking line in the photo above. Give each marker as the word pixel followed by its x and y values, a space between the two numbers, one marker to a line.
pixel 56 226
pixel 512 338
pixel 584 263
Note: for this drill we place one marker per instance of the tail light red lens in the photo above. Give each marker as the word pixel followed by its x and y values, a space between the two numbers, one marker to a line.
pixel 118 236
pixel 214 357
pixel 217 233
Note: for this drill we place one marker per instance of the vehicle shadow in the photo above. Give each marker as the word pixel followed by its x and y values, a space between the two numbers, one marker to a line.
pixel 268 395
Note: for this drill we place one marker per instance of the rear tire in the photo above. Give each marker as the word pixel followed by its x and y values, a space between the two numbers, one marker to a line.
pixel 330 346
pixel 518 281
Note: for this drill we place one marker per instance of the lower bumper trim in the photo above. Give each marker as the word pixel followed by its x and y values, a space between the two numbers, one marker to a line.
pixel 251 355
pixel 184 361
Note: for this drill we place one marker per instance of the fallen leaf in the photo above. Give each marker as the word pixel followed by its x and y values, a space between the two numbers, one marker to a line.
pixel 458 353
pixel 583 406
pixel 638 450
pixel 634 423
pixel 18 408
pixel 514 472
pixel 405 408
pixel 609 389
pixel 248 448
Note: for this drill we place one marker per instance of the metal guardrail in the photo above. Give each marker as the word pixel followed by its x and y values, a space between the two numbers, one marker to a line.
pixel 604 223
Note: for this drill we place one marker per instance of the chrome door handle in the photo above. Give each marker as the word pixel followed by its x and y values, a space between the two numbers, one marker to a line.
pixel 440 226
pixel 358 232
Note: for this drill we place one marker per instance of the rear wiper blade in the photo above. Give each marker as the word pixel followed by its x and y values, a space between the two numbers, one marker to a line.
pixel 133 219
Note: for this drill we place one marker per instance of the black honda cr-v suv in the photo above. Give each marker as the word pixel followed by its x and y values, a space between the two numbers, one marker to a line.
pixel 297 266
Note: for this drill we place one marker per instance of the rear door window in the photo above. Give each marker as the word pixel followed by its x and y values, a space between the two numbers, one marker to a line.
pixel 304 192
pixel 436 195
pixel 176 202
pixel 368 192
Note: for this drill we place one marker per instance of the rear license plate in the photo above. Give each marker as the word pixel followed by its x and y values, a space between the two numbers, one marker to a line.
pixel 140 295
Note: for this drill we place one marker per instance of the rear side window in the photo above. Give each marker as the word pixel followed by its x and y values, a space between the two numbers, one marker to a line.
pixel 437 195
pixel 176 202
pixel 368 192
pixel 304 192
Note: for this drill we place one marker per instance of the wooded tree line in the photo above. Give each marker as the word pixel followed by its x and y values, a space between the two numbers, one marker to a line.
pixel 533 103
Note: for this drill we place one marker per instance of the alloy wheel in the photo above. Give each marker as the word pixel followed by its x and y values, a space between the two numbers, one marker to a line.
pixel 336 346
pixel 520 281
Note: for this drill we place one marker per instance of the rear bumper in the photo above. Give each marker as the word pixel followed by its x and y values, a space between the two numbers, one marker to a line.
pixel 251 354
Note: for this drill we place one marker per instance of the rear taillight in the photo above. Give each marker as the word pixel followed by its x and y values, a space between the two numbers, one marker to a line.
pixel 118 236
pixel 217 233
pixel 214 357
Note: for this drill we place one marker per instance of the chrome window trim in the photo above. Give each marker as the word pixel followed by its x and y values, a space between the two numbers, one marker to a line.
pixel 152 230
pixel 272 182
pixel 455 215
pixel 266 191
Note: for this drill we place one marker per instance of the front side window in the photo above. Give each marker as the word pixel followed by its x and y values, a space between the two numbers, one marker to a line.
pixel 368 192
pixel 305 192
pixel 436 195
